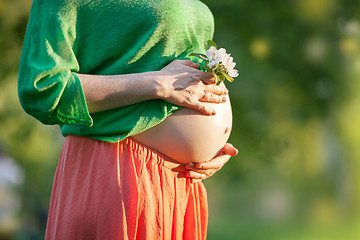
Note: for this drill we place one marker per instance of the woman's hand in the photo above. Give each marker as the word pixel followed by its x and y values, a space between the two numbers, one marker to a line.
pixel 204 170
pixel 181 83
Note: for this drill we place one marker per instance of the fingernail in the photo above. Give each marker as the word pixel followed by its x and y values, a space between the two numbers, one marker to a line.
pixel 199 165
pixel 213 112
pixel 236 152
pixel 223 99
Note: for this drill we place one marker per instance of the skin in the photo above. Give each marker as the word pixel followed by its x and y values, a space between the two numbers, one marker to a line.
pixel 180 83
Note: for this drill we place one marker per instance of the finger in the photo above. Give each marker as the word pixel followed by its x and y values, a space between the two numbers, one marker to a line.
pixel 207 78
pixel 213 98
pixel 223 156
pixel 229 149
pixel 192 167
pixel 195 175
pixel 218 161
pixel 218 90
pixel 215 163
pixel 197 105
pixel 207 172
pixel 195 180
pixel 192 180
pixel 188 63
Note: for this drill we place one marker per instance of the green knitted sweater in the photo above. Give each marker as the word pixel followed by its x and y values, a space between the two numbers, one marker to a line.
pixel 104 37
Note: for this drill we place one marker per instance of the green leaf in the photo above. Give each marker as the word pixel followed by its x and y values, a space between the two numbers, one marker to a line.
pixel 228 77
pixel 220 78
pixel 199 55
pixel 210 43
pixel 218 81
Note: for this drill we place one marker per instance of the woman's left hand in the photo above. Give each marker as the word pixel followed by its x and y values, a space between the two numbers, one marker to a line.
pixel 204 170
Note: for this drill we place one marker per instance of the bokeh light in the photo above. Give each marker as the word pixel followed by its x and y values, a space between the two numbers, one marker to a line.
pixel 260 48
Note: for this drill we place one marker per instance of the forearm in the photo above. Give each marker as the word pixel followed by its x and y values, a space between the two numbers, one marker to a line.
pixel 104 92
pixel 180 83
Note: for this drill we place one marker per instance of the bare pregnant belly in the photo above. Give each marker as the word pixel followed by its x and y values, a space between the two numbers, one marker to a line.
pixel 189 136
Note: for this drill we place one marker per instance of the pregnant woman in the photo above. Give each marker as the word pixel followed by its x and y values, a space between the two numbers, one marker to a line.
pixel 143 125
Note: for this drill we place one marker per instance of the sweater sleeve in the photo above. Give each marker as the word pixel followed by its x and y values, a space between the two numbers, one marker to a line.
pixel 48 86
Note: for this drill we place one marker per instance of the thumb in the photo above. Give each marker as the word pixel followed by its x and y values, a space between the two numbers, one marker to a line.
pixel 189 63
pixel 229 149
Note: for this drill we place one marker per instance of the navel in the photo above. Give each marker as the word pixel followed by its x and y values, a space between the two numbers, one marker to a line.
pixel 228 129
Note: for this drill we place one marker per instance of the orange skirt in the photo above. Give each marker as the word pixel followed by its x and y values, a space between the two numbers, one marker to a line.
pixel 122 190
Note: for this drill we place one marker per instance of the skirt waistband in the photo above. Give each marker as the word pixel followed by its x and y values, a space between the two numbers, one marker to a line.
pixel 150 153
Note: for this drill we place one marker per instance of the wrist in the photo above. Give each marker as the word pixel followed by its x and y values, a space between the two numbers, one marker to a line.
pixel 160 85
pixel 149 85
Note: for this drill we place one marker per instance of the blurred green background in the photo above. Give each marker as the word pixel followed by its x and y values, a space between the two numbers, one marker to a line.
pixel 296 112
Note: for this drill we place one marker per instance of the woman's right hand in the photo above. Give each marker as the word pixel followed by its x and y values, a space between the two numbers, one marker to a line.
pixel 181 83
